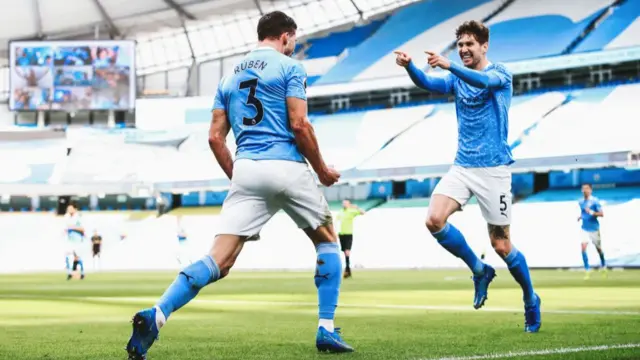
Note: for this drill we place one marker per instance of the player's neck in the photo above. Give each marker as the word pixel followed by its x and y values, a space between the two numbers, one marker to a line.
pixel 481 65
pixel 268 43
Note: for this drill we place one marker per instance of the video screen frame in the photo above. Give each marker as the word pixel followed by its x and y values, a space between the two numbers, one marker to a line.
pixel 45 57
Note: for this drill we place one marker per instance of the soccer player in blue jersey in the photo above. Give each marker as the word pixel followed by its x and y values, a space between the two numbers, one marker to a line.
pixel 590 211
pixel 264 103
pixel 75 237
pixel 483 93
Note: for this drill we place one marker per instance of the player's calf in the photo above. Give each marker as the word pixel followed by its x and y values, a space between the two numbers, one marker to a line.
pixel 448 236
pixel 517 264
pixel 185 287
pixel 328 277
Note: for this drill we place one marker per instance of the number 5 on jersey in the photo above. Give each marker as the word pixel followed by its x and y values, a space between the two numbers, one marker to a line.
pixel 252 100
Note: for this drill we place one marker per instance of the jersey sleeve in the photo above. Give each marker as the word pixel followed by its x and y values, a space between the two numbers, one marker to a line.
pixel 296 82
pixel 499 76
pixel 219 102
pixel 354 212
pixel 597 207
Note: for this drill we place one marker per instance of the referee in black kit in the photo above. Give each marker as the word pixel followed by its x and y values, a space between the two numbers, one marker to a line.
pixel 346 216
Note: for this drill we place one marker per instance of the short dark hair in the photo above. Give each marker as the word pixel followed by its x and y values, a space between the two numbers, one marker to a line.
pixel 589 185
pixel 274 24
pixel 475 28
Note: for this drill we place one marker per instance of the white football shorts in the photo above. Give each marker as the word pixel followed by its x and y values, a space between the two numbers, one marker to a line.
pixel 490 185
pixel 261 188
pixel 591 237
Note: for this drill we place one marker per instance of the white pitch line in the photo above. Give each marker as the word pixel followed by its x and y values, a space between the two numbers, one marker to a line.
pixel 541 352
pixel 375 306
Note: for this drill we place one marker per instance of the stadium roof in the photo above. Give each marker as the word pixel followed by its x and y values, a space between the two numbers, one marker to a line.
pixel 214 28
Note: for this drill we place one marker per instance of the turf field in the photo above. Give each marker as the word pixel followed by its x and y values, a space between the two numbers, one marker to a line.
pixel 406 315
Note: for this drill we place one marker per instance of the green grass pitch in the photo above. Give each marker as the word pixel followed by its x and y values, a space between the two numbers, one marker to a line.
pixel 406 315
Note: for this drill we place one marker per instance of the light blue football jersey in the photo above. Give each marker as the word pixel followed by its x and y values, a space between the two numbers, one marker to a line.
pixel 254 98
pixel 74 221
pixel 483 120
pixel 590 223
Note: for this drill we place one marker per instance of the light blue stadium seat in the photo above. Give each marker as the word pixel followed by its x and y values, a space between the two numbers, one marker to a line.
pixel 611 27
pixel 335 43
pixel 401 27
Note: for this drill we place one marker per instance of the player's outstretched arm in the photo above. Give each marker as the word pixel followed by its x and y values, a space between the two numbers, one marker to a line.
pixel 495 78
pixel 480 79
pixel 418 76
pixel 218 141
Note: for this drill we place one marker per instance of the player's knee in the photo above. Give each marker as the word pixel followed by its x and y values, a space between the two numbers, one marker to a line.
pixel 225 267
pixel 501 247
pixel 436 222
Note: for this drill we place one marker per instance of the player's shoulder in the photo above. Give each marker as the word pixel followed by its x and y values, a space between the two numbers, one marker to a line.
pixel 501 68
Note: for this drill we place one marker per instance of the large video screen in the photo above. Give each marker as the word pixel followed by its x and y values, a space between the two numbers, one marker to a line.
pixel 72 75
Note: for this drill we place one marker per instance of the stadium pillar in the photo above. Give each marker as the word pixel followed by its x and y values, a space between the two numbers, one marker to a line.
pixel 40 119
pixel 111 119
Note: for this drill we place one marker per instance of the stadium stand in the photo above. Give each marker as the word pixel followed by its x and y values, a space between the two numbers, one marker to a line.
pixel 434 140
pixel 584 118
pixel 169 144
pixel 336 42
pixel 409 29
pixel 620 29
pixel 515 27
pixel 548 24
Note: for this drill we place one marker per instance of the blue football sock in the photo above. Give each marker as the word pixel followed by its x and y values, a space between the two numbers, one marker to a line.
pixel 520 271
pixel 603 263
pixel 328 278
pixel 68 265
pixel 585 260
pixel 452 239
pixel 187 285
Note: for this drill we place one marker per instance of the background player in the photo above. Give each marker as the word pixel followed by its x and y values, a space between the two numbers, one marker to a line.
pixel 346 216
pixel 264 101
pixel 590 211
pixel 183 253
pixel 75 236
pixel 96 241
pixel 483 96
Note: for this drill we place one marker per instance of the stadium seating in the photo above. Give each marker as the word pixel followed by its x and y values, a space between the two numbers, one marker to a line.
pixel 336 42
pixel 376 139
pixel 433 141
pixel 523 30
pixel 527 30
pixel 30 162
pixel 410 29
pixel 348 139
pixel 621 29
pixel 595 121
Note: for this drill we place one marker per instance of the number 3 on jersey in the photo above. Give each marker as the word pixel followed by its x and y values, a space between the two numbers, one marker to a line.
pixel 252 100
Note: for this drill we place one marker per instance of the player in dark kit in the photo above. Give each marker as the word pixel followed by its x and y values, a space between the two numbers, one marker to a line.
pixel 96 241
